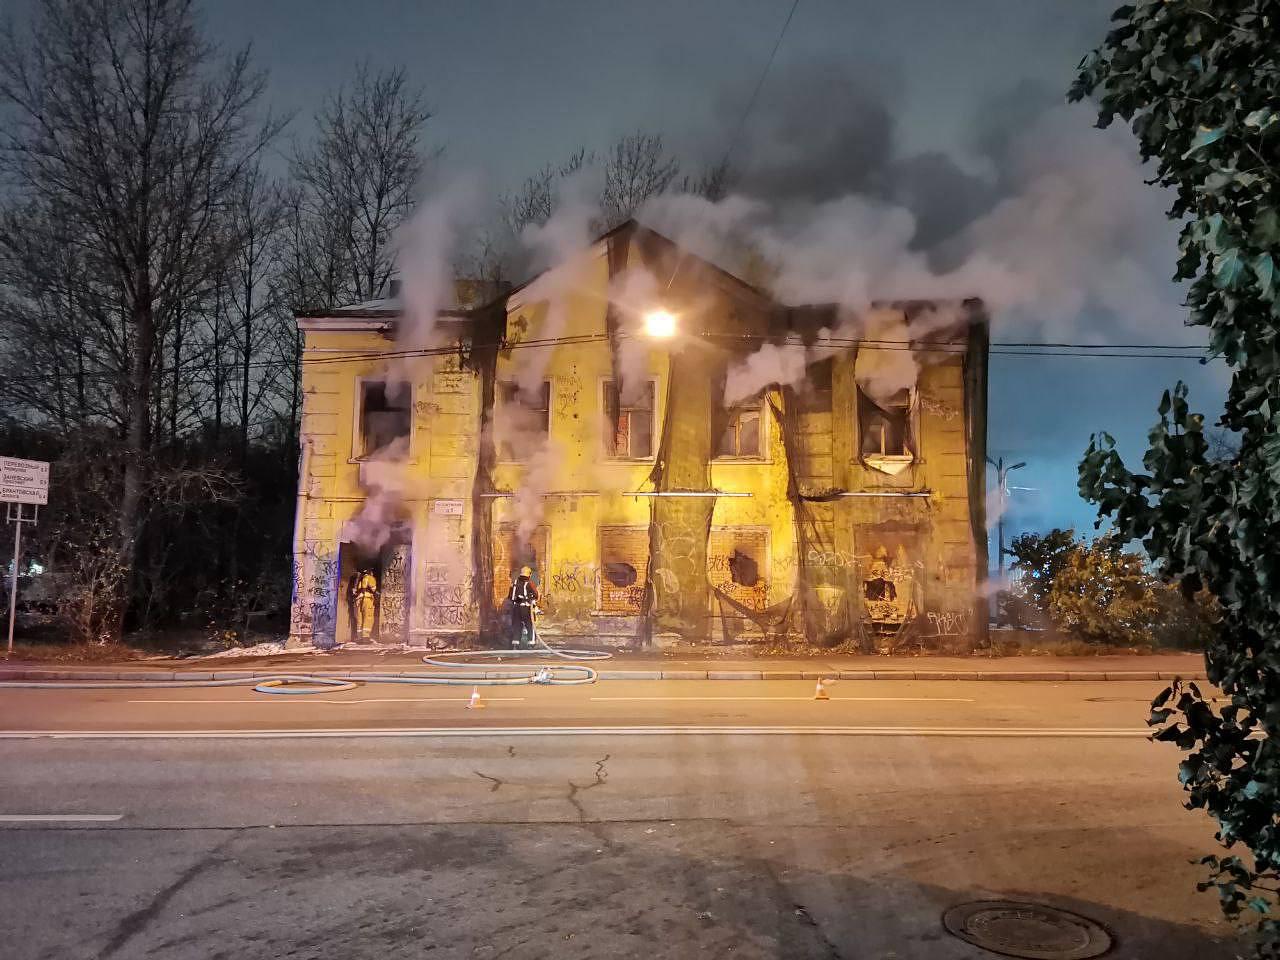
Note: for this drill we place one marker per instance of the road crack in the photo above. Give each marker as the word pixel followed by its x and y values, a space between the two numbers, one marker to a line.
pixel 136 922
pixel 602 775
pixel 497 783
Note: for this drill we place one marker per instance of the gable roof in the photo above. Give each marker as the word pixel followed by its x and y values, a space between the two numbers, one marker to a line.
pixel 632 226
pixel 380 313
pixel 390 307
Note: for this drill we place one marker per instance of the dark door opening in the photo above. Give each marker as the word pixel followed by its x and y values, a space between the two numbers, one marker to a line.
pixel 374 592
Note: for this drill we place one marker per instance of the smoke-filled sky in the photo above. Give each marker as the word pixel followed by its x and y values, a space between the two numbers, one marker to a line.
pixel 938 123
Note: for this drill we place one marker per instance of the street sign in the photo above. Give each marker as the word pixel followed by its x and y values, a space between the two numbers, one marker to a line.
pixel 24 481
pixel 21 481
pixel 447 508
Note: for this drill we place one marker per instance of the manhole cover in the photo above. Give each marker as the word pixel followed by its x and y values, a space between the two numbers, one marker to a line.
pixel 1029 930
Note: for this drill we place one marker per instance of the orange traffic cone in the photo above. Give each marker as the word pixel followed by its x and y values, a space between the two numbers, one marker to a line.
pixel 475 702
pixel 821 692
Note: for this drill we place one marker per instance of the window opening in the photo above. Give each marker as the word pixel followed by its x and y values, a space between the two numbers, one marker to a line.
pixel 386 409
pixel 524 419
pixel 741 436
pixel 633 438
pixel 885 427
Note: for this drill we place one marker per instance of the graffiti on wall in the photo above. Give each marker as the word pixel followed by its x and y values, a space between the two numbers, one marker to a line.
pixel 574 579
pixel 888 585
pixel 947 623
pixel 568 392
pixel 395 594
pixel 939 409
pixel 445 598
pixel 624 558
pixel 819 558
pixel 737 566
pixel 315 606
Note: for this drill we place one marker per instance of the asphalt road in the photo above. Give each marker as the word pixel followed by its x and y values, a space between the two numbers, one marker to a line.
pixel 1115 707
pixel 489 834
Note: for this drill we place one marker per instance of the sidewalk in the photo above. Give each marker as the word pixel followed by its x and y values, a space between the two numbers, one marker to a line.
pixel 647 666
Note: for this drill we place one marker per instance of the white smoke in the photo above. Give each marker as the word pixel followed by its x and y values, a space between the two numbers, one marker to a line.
pixel 773 363
pixel 425 251
pixel 385 480
pixel 540 470
pixel 1078 250
pixel 553 249
pixel 632 292
pixel 558 248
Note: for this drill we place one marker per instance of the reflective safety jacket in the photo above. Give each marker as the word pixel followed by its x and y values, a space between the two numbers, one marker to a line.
pixel 523 593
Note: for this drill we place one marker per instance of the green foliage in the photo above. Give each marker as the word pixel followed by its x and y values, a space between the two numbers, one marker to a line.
pixel 1199 84
pixel 1102 594
pixel 1038 558
pixel 1105 595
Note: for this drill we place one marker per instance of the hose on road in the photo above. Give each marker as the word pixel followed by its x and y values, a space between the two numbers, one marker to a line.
pixel 571 673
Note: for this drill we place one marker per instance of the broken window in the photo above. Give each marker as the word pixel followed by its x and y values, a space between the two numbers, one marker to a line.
pixel 386 414
pixel 632 439
pixel 741 436
pixel 888 575
pixel 523 421
pixel 624 555
pixel 885 427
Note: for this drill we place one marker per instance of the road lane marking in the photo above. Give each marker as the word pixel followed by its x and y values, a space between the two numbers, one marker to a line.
pixel 849 699
pixel 309 699
pixel 60 817
pixel 1104 733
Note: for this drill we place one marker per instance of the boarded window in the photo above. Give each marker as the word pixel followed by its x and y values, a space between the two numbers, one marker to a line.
pixel 511 552
pixel 523 420
pixel 632 439
pixel 885 427
pixel 624 558
pixel 386 413
pixel 741 436
pixel 737 565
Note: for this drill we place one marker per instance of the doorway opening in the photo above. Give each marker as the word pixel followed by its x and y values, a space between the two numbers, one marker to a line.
pixel 374 591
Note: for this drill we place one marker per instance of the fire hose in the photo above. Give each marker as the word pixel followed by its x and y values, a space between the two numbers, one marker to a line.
pixel 572 673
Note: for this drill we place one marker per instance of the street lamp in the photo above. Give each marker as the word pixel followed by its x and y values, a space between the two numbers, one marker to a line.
pixel 1002 479
pixel 660 324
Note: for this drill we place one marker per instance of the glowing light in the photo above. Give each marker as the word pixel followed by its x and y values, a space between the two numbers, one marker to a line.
pixel 660 323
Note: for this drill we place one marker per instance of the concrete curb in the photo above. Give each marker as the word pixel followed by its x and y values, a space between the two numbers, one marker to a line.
pixel 1054 676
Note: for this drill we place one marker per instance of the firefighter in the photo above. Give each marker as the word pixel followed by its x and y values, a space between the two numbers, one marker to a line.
pixel 524 601
pixel 366 598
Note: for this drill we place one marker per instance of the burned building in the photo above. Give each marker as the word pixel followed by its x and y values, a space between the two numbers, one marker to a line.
pixel 675 454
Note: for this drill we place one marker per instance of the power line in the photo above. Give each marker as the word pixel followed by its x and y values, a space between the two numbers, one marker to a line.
pixel 742 121
pixel 1010 348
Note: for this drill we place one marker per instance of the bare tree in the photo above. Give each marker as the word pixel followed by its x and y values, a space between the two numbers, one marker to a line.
pixel 133 137
pixel 253 292
pixel 636 168
pixel 358 176
pixel 534 201
pixel 63 353
pixel 713 183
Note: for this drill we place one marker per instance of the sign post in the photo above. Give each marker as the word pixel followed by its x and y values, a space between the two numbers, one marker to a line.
pixel 22 483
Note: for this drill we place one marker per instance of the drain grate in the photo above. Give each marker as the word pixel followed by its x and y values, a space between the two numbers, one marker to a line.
pixel 1031 931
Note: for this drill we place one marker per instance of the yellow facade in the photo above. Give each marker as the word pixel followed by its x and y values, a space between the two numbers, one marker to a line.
pixel 787 539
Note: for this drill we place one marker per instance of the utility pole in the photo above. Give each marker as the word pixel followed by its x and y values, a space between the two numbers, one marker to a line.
pixel 1002 481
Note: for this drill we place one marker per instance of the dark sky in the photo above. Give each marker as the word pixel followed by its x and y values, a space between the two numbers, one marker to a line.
pixel 515 84
pixel 924 103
